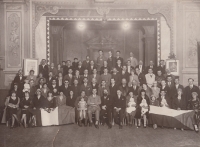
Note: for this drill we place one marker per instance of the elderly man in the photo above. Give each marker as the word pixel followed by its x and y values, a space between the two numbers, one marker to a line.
pixel 93 107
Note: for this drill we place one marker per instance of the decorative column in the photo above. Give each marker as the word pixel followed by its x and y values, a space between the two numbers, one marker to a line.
pixel 150 43
pixel 14 41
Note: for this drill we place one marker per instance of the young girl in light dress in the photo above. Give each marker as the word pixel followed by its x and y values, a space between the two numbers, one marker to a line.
pixel 82 107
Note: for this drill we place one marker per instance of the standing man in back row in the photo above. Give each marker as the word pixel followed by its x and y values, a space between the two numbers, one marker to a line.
pixel 133 60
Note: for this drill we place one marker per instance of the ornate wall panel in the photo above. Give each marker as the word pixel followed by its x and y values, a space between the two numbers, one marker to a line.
pixel 13 40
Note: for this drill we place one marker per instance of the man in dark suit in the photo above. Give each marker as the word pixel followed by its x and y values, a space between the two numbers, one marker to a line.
pixel 171 90
pixel 189 89
pixel 49 79
pixel 124 87
pixel 68 66
pixel 134 88
pixel 69 76
pixel 75 65
pixel 162 66
pixel 106 108
pixel 116 75
pixel 91 67
pixel 53 85
pixel 119 66
pixel 141 67
pixel 65 88
pixel 43 68
pixel 76 88
pixel 178 85
pixel 19 80
pixel 80 68
pixel 40 83
pixel 86 87
pixel 119 107
pixel 111 60
pixel 86 63
pixel 141 76
pixel 124 73
pixel 118 57
pixel 152 66
pixel 113 88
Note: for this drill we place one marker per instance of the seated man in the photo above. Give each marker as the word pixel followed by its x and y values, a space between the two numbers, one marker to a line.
pixel 119 108
pixel 93 107
pixel 106 107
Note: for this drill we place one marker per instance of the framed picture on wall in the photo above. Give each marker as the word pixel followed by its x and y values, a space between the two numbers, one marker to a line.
pixel 173 66
pixel 31 64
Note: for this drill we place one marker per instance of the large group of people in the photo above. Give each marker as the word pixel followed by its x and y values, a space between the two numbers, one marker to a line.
pixel 104 91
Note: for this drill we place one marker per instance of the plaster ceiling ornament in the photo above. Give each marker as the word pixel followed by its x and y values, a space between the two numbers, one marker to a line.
pixel 103 10
pixel 13 7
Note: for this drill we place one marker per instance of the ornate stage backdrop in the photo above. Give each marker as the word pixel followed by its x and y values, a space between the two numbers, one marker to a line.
pixel 180 17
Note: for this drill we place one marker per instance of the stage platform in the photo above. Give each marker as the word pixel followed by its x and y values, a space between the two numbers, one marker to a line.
pixel 75 136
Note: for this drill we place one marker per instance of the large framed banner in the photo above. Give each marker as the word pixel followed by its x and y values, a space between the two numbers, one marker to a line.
pixel 173 66
pixel 31 64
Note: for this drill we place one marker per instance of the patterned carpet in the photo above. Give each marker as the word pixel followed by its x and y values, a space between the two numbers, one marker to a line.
pixel 74 136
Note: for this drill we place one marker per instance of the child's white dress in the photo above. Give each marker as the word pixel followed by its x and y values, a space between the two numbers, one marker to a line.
pixel 144 106
pixel 131 106
pixel 26 87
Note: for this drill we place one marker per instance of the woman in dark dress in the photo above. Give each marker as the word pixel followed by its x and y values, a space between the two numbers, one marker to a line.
pixel 12 104
pixel 66 114
pixel 50 103
pixel 38 103
pixel 24 105
pixel 142 110
pixel 179 102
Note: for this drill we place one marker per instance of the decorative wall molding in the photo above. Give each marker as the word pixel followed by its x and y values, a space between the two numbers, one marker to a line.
pixel 13 7
pixel 48 19
pixel 13 40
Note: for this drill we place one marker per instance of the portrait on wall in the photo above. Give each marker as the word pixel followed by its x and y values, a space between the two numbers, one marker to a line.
pixel 173 66
pixel 30 64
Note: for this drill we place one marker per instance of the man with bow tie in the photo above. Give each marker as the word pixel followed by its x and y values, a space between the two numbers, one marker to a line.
pixel 119 106
pixel 189 89
pixel 106 108
pixel 94 102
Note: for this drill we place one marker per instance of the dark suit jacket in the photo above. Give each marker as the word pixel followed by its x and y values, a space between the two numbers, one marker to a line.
pixel 142 79
pixel 44 70
pixel 80 69
pixel 87 89
pixel 90 69
pixel 108 101
pixel 67 77
pixel 19 82
pixel 124 90
pixel 38 103
pixel 111 62
pixel 135 91
pixel 76 90
pixel 121 59
pixel 98 78
pixel 188 92
pixel 86 64
pixel 120 103
pixel 179 104
pixel 162 69
pixel 126 76
pixel 154 69
pixel 117 78
pixel 113 91
pixel 65 90
pixel 171 92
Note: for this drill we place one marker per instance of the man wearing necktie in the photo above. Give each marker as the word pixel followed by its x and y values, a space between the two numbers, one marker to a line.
pixel 189 89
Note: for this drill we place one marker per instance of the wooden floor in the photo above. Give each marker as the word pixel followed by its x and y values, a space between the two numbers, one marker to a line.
pixel 74 136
